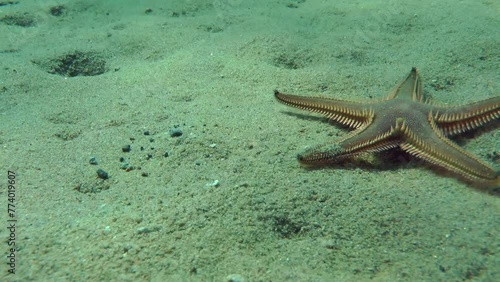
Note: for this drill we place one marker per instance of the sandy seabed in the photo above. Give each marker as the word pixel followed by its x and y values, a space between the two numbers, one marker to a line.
pixel 88 85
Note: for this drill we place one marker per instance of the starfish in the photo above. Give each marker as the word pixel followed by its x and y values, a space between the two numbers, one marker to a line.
pixel 403 120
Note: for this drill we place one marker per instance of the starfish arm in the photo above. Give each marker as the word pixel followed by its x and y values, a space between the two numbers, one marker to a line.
pixel 440 151
pixel 351 114
pixel 412 85
pixel 358 142
pixel 456 120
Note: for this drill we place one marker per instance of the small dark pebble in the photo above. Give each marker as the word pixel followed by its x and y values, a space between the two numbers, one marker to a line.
pixel 149 156
pixel 102 174
pixel 93 161
pixel 144 174
pixel 175 132
pixel 146 132
pixel 148 11
pixel 151 140
pixel 234 278
pixel 57 10
pixel 165 155
pixel 126 148
pixel 122 159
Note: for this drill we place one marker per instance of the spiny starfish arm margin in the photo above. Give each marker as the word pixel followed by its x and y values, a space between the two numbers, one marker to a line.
pixel 411 84
pixel 459 119
pixel 357 143
pixel 442 152
pixel 351 114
